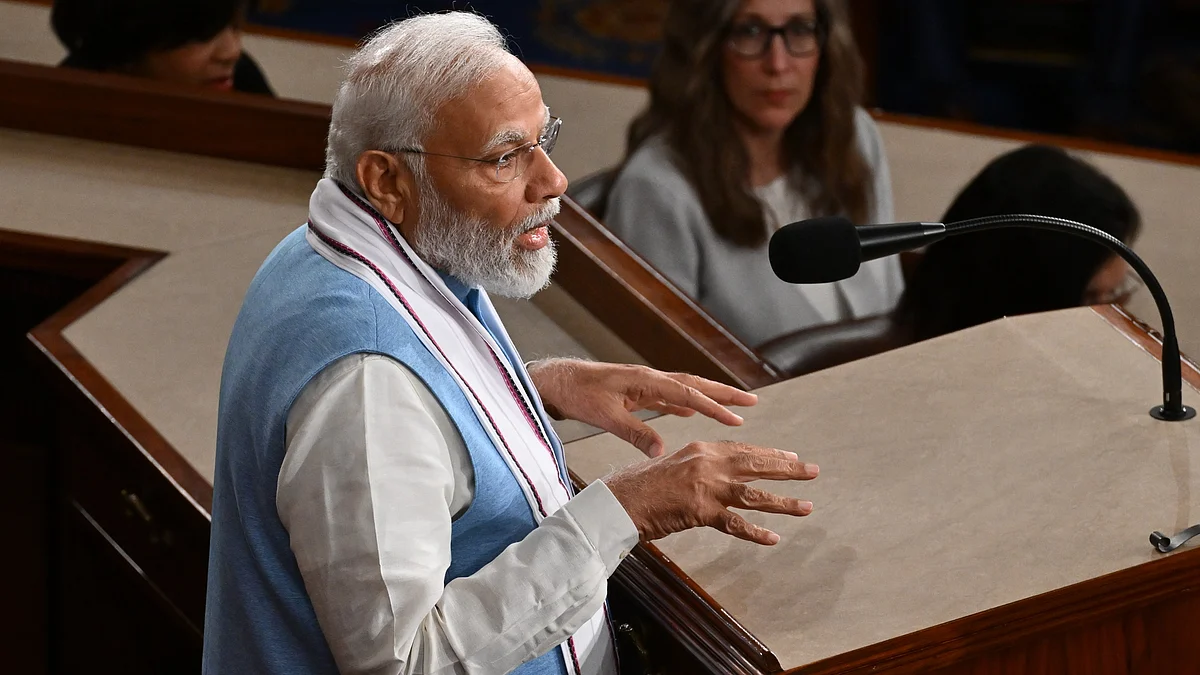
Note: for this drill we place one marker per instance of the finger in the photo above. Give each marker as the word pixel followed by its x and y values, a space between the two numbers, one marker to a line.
pixel 721 393
pixel 635 432
pixel 672 392
pixel 755 463
pixel 668 409
pixel 731 523
pixel 745 496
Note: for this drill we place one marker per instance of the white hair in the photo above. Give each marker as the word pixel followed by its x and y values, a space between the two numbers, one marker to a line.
pixel 396 82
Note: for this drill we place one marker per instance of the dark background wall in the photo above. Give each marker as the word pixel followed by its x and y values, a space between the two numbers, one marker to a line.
pixel 1121 70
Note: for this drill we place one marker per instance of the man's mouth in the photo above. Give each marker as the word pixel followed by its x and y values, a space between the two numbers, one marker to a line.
pixel 534 239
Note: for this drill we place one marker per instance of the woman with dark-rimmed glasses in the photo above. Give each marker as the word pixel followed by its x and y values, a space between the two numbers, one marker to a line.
pixel 754 122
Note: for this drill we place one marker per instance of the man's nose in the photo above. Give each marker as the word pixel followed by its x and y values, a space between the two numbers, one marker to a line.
pixel 547 182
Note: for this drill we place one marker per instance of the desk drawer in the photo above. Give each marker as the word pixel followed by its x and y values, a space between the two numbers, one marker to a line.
pixel 145 515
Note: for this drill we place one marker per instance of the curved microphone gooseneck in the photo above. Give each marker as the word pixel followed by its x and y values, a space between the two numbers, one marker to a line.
pixel 1172 408
pixel 823 250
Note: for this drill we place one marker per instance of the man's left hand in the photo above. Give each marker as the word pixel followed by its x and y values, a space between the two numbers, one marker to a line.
pixel 606 395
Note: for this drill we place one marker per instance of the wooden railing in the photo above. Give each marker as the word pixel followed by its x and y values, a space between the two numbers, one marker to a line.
pixel 668 329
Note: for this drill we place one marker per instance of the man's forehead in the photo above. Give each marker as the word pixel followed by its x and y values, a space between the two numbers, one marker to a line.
pixel 507 108
pixel 510 132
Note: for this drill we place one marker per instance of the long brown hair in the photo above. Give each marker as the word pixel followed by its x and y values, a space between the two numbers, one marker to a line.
pixel 688 103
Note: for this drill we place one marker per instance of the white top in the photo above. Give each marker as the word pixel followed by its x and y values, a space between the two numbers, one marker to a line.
pixel 374 474
pixel 783 205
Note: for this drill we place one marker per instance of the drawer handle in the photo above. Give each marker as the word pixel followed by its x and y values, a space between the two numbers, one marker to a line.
pixel 139 507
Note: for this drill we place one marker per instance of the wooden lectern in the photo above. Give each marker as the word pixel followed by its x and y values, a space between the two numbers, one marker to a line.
pixel 984 506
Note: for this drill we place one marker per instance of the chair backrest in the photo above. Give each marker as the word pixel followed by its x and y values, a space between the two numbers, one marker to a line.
pixel 813 349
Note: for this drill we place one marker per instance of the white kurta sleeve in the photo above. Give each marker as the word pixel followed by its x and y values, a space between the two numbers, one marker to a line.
pixel 373 474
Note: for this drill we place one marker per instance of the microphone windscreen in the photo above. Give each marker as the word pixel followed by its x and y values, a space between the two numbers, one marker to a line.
pixel 816 251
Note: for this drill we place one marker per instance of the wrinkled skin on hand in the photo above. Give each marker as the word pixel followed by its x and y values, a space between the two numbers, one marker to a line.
pixel 696 486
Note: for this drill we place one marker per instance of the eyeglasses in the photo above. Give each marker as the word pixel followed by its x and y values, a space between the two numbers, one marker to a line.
pixel 511 164
pixel 752 39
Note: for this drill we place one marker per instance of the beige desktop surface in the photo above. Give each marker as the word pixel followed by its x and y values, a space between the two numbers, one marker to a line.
pixel 161 339
pixel 957 475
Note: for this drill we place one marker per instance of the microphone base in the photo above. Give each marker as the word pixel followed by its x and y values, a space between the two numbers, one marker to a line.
pixel 1159 412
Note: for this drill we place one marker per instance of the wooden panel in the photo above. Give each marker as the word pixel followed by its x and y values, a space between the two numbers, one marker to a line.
pixel 1071 142
pixel 148 114
pixel 74 599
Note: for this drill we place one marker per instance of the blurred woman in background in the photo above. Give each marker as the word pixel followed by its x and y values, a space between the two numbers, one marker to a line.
pixel 974 278
pixel 191 42
pixel 754 122
pixel 970 279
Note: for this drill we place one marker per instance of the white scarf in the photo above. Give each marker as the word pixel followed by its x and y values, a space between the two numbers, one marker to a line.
pixel 346 231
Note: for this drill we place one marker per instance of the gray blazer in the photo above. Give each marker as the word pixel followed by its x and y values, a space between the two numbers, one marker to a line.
pixel 655 210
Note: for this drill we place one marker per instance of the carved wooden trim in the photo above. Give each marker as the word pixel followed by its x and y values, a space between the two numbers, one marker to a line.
pixel 36 252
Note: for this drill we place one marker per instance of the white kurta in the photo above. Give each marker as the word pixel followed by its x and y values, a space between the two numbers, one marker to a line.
pixel 374 475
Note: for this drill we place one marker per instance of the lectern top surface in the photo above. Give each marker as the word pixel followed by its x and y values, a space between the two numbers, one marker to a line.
pixel 957 475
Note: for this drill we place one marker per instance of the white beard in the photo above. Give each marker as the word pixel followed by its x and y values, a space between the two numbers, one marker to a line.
pixel 479 254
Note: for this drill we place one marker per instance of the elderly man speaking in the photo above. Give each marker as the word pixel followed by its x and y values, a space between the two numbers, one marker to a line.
pixel 390 496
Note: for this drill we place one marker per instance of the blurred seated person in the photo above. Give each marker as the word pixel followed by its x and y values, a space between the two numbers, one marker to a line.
pixel 974 278
pixel 191 42
pixel 753 123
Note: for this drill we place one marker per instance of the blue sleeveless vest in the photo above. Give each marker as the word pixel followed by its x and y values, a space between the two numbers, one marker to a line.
pixel 301 314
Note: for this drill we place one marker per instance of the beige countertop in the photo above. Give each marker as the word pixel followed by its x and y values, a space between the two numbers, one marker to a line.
pixel 957 475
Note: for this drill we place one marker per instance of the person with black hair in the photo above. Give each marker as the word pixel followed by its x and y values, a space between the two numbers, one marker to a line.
pixel 968 280
pixel 974 278
pixel 194 42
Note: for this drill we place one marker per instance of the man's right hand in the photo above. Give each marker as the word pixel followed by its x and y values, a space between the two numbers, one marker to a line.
pixel 697 485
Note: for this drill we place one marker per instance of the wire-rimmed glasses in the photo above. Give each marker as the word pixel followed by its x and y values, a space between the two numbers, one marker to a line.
pixel 511 164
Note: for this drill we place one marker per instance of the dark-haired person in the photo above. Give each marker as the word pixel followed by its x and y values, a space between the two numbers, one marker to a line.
pixel 191 42
pixel 753 123
pixel 971 279
pixel 974 278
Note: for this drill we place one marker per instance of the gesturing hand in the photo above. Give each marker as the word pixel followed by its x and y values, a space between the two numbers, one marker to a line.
pixel 696 486
pixel 605 395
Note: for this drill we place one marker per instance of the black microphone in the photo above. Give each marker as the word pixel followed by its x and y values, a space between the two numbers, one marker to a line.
pixel 823 250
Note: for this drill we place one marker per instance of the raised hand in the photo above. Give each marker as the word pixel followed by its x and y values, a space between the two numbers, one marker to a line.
pixel 605 395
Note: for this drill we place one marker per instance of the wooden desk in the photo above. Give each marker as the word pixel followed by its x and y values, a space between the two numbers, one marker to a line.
pixel 984 506
pixel 126 401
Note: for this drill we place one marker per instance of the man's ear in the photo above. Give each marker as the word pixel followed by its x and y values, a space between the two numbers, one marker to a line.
pixel 387 184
